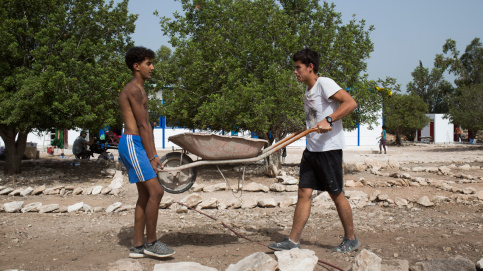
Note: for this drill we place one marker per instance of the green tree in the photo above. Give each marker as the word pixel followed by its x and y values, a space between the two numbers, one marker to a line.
pixel 404 114
pixel 468 68
pixel 467 108
pixel 61 66
pixel 432 87
pixel 162 79
pixel 164 74
pixel 235 68
pixel 370 97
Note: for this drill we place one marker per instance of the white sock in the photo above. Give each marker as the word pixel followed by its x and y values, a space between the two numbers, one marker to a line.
pixel 293 242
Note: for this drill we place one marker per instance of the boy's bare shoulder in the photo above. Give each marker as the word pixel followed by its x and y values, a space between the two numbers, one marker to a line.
pixel 131 89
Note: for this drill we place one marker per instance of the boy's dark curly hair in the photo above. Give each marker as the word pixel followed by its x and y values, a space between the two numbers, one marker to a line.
pixel 137 54
pixel 307 56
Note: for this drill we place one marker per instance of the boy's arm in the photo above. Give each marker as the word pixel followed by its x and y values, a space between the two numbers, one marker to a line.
pixel 347 105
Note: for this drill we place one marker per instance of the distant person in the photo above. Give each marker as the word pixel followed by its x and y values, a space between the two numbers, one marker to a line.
pixel 284 154
pixel 154 125
pixel 58 142
pixel 325 104
pixel 382 142
pixel 138 154
pixel 79 149
pixel 457 132
pixel 113 138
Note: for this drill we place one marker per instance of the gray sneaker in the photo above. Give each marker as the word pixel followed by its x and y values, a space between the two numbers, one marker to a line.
pixel 348 245
pixel 137 252
pixel 285 244
pixel 158 249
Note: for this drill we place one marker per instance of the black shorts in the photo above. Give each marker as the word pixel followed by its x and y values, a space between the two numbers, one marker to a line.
pixel 322 171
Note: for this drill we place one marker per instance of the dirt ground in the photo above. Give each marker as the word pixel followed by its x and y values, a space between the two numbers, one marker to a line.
pixel 91 241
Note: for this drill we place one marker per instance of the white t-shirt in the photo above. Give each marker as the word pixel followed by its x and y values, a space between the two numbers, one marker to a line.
pixel 318 105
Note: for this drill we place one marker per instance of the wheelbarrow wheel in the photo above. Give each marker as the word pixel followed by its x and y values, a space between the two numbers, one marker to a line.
pixel 176 182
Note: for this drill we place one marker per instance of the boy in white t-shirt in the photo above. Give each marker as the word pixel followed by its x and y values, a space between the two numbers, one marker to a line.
pixel 326 103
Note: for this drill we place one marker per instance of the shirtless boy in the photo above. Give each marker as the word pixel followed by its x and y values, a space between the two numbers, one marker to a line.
pixel 138 153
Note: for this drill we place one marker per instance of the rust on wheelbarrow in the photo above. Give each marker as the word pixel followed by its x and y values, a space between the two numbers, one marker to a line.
pixel 217 147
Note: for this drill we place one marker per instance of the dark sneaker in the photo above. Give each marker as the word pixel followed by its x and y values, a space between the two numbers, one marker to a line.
pixel 158 249
pixel 347 245
pixel 137 252
pixel 286 244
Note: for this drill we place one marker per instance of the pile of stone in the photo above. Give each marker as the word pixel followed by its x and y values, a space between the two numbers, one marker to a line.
pixel 285 183
pixel 80 207
pixel 305 259
pixel 375 166
pixel 114 188
pixel 358 199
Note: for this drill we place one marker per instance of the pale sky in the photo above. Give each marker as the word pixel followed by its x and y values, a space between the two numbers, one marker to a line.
pixel 405 31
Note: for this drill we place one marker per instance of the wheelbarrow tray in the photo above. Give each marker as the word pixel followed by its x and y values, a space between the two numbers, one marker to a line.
pixel 178 173
pixel 218 147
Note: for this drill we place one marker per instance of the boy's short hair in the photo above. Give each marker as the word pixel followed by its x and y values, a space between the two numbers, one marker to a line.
pixel 307 56
pixel 384 127
pixel 137 54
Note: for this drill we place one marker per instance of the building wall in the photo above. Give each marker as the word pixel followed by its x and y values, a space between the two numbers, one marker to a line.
pixel 443 129
pixel 43 139
pixel 364 136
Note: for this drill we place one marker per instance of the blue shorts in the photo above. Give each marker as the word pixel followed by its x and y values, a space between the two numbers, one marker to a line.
pixel 135 159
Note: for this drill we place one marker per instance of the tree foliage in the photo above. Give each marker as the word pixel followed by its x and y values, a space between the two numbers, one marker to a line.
pixel 432 87
pixel 467 108
pixel 370 97
pixel 234 68
pixel 404 115
pixel 468 68
pixel 61 66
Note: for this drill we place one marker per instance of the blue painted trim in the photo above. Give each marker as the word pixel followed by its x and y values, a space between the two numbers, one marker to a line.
pixel 163 126
pixel 383 119
pixel 358 135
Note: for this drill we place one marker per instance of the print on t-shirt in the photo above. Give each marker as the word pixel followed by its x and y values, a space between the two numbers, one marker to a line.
pixel 311 117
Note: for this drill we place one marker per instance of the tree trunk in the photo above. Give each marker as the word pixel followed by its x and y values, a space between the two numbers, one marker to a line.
pixel 273 161
pixel 15 142
pixel 398 139
pixel 273 164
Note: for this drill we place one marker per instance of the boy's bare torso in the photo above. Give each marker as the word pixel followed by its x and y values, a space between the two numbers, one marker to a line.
pixel 135 93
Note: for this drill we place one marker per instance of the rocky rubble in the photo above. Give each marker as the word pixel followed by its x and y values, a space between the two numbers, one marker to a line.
pixel 285 183
pixel 305 259
pixel 444 190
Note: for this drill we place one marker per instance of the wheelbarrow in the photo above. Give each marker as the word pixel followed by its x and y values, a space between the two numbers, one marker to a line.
pixel 179 172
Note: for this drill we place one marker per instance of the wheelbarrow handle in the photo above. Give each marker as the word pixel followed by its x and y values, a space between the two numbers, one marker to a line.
pixel 289 140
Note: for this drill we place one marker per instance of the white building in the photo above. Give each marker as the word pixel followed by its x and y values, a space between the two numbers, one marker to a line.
pixel 439 130
pixel 362 136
